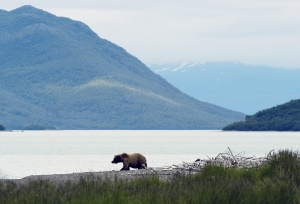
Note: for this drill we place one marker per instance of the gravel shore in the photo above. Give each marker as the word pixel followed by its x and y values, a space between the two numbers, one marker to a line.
pixel 163 174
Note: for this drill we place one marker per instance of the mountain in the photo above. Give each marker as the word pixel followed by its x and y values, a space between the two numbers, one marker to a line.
pixel 285 117
pixel 233 85
pixel 56 72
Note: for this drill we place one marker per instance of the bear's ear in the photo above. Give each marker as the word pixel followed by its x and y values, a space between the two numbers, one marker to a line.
pixel 124 155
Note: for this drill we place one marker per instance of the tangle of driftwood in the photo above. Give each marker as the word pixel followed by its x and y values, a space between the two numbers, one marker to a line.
pixel 227 159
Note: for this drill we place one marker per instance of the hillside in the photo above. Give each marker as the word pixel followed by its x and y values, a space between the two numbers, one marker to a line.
pixel 285 117
pixel 57 72
pixel 233 85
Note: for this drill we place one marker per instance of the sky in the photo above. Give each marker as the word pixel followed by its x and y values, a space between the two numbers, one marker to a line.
pixel 261 32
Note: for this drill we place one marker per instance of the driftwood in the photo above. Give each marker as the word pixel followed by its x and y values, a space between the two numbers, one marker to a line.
pixel 227 159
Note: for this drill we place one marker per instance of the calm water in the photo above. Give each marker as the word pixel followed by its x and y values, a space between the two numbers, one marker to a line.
pixel 53 152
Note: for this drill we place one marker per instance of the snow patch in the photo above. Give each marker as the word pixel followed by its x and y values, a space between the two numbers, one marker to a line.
pixel 180 67
pixel 163 69
pixel 192 65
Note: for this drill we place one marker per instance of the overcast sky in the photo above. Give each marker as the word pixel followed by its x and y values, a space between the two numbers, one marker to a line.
pixel 166 31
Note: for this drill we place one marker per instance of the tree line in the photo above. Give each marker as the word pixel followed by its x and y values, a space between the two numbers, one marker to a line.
pixel 2 128
pixel 283 117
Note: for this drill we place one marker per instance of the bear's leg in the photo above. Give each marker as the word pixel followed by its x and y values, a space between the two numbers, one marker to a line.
pixel 143 166
pixel 125 167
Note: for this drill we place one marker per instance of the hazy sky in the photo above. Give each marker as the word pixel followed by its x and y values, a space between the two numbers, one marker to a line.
pixel 160 31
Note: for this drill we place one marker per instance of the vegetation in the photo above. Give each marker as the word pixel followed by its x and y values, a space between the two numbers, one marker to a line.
pixel 39 127
pixel 285 117
pixel 58 71
pixel 2 128
pixel 276 182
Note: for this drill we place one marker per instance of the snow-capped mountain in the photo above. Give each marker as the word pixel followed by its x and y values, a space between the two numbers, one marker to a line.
pixel 243 87
pixel 185 66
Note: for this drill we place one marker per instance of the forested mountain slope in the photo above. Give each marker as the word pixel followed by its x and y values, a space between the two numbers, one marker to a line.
pixel 57 72
pixel 285 117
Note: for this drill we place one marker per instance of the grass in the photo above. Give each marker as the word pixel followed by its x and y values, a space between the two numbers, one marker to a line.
pixel 276 182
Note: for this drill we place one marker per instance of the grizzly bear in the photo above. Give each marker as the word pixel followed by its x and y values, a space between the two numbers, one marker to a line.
pixel 135 160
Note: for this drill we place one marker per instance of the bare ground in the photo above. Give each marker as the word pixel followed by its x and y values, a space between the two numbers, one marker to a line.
pixel 161 173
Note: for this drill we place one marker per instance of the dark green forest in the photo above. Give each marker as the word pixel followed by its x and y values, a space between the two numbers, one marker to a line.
pixel 285 117
pixel 2 128
pixel 56 72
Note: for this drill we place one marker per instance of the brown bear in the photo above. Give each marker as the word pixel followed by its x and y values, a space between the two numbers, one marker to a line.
pixel 135 160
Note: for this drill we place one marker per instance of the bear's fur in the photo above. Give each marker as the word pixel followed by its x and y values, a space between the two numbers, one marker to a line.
pixel 135 160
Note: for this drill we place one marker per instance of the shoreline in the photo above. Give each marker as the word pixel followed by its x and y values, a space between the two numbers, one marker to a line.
pixel 163 175
pixel 227 159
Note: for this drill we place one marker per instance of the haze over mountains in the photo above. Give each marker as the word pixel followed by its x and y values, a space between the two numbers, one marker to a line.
pixel 57 72
pixel 234 85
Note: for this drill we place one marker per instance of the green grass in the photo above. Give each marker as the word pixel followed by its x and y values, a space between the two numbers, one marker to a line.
pixel 276 182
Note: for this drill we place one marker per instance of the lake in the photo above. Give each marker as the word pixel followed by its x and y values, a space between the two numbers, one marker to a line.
pixel 24 153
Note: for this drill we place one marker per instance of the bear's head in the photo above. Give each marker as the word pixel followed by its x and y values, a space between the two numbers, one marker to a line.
pixel 119 158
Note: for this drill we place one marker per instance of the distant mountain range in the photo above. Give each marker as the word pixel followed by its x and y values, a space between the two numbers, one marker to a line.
pixel 233 85
pixel 56 72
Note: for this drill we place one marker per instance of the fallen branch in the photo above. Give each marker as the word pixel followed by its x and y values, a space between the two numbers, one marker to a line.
pixel 227 159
